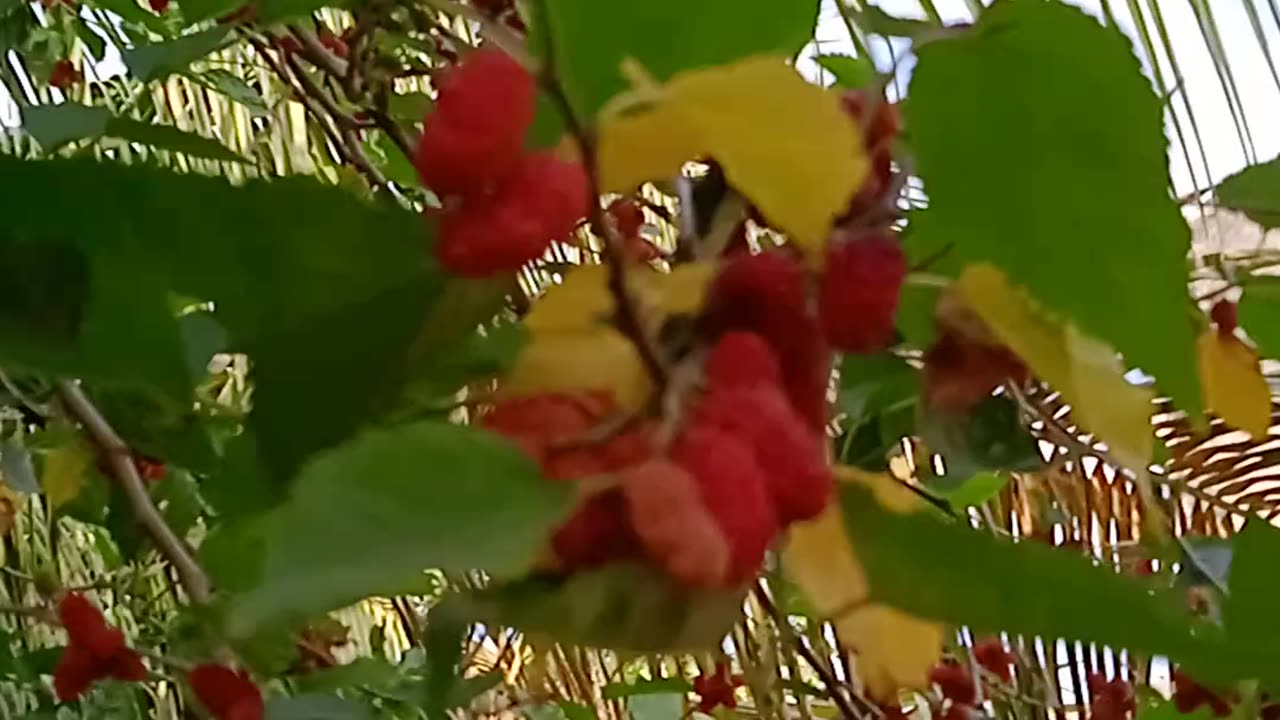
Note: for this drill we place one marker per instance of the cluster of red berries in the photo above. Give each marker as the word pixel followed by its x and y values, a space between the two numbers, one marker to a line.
pixel 742 466
pixel 503 206
pixel 957 685
pixel 158 6
pixel 97 651
pixel 628 219
pixel 1110 699
pixel 746 460
pixel 717 689
pixel 64 75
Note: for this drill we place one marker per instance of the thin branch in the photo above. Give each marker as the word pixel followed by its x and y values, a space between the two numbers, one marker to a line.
pixel 119 461
pixel 833 685
pixel 628 316
pixel 496 33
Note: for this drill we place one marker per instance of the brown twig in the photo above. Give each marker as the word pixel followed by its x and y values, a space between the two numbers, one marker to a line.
pixel 628 316
pixel 833 685
pixel 119 461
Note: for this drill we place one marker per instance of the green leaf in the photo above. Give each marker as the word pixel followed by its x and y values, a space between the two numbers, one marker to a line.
pixel 56 125
pixel 483 355
pixel 167 137
pixel 940 570
pixel 315 707
pixel 879 22
pixel 870 384
pixel 93 42
pixel 131 12
pixel 1084 129
pixel 374 672
pixel 1259 313
pixel 88 287
pixel 991 437
pixel 625 607
pixel 195 11
pixel 273 11
pixel 233 86
pixel 1254 191
pixel 410 106
pixel 978 489
pixel 1170 711
pixel 592 38
pixel 850 72
pixel 1249 611
pixel 158 60
pixel 368 517
pixel 656 707
pixel 660 686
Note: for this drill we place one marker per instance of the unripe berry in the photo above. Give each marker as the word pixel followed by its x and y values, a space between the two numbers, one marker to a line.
pixel 734 490
pixel 666 511
pixel 859 293
pixel 473 138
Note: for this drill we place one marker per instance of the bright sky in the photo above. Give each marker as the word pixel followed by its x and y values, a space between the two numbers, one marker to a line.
pixel 1222 146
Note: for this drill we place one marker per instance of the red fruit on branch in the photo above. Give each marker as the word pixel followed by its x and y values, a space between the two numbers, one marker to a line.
pixel 149 468
pixel 64 75
pixel 288 44
pixel 954 682
pixel 627 216
pixel 597 533
pixel 676 530
pixel 750 286
pixel 493 8
pixel 158 6
pixel 96 650
pixel 1224 314
pixel 858 297
pixel 734 490
pixel 474 137
pixel 227 694
pixel 542 201
pixel 1110 699
pixel 991 654
pixel 959 373
pixel 332 43
pixel 716 689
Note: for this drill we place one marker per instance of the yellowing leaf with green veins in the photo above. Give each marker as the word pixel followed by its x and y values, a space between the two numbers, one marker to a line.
pixel 785 144
pixel 1086 371
pixel 602 359
pixel 65 473
pixel 1233 385
pixel 895 650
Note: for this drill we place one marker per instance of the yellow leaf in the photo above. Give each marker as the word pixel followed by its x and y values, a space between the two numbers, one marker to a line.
pixel 798 156
pixel 895 650
pixel 10 503
pixel 1085 370
pixel 64 474
pixel 603 359
pixel 683 291
pixel 580 303
pixel 1233 384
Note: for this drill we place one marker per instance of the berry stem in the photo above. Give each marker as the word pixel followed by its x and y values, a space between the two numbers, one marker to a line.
pixel 628 316
pixel 120 463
